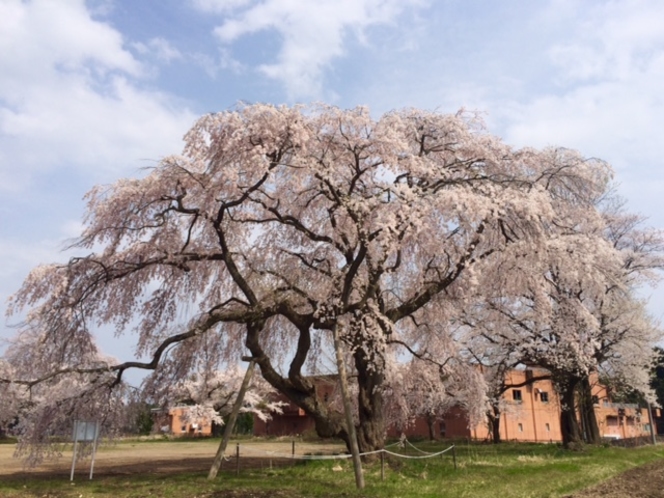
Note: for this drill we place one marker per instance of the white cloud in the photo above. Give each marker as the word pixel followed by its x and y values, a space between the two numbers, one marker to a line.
pixel 224 61
pixel 612 40
pixel 42 36
pixel 585 75
pixel 312 33
pixel 160 48
pixel 608 100
pixel 219 6
pixel 70 95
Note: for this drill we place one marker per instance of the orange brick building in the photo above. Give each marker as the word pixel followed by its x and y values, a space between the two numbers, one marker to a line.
pixel 531 413
pixel 176 422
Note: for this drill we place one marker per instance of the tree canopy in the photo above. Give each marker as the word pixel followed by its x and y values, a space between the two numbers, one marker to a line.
pixel 277 224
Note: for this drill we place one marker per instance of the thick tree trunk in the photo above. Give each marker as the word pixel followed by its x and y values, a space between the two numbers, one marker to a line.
pixel 569 423
pixel 371 430
pixel 431 424
pixel 301 391
pixel 297 388
pixel 494 424
pixel 591 427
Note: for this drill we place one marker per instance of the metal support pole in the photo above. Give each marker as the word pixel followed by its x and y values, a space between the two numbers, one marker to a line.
pixel 237 459
pixel 382 465
pixel 454 456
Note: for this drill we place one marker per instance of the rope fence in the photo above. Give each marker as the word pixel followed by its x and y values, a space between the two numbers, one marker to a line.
pixel 250 451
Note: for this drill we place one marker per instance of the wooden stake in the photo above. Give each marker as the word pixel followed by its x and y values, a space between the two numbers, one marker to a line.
pixel 73 461
pixel 652 424
pixel 228 430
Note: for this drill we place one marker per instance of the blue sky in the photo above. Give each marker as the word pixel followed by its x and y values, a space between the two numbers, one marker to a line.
pixel 94 91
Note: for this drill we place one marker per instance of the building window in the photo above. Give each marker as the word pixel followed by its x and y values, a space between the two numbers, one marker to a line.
pixel 544 397
pixel 611 421
pixel 547 427
pixel 183 428
pixel 516 394
pixel 520 427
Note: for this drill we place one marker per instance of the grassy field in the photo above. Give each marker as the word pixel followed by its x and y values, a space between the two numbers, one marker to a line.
pixel 507 470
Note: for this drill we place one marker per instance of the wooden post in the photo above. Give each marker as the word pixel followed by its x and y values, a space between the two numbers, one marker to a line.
pixel 454 456
pixel 382 465
pixel 73 461
pixel 293 449
pixel 348 410
pixel 652 424
pixel 94 449
pixel 237 459
pixel 228 430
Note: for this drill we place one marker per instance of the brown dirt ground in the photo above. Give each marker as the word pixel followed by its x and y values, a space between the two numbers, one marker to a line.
pixel 646 481
pixel 162 458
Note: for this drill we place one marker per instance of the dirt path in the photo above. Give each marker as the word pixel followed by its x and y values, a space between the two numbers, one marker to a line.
pixel 162 457
pixel 646 481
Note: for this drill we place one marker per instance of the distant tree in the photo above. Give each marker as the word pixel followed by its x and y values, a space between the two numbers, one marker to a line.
pixel 575 312
pixel 626 333
pixel 496 373
pixel 545 323
pixel 429 386
pixel 210 395
pixel 144 419
pixel 245 423
pixel 491 356
pixel 657 380
pixel 45 407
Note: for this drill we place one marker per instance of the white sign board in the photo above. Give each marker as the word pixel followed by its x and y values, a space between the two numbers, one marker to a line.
pixel 85 431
